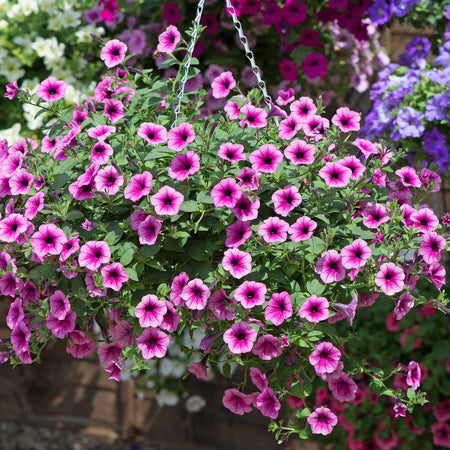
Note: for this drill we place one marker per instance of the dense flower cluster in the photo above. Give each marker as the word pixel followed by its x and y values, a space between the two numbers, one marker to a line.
pixel 118 217
pixel 411 103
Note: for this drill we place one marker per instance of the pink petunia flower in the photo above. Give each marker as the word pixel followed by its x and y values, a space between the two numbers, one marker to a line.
pixel 441 434
pixel 199 369
pixel 59 305
pixel 335 174
pixel 61 327
pixel 289 127
pixel 171 318
pixel 226 193
pixel 315 127
pixel 346 119
pixel 285 97
pixel 258 378
pixel 101 132
pixel 113 53
pixel 375 215
pixel 266 158
pixel 237 402
pixel 101 152
pixel 70 247
pixel 108 180
pixel 33 205
pixel 79 344
pixel 237 263
pixel 221 305
pixel 20 337
pixel 390 278
pixel 195 294
pixel 266 347
pixel 153 342
pixel 254 117
pixel 250 294
pixel 425 220
pixel 304 108
pixel 345 311
pixel 436 274
pixel 180 136
pixel 315 309
pixel 9 284
pixel 178 283
pixel 246 209
pixel 93 254
pixel 285 200
pixel 150 311
pixel 413 376
pixel 273 229
pixel 21 182
pixel 152 133
pixel 49 240
pixel 431 246
pixel 167 201
pixel 240 337
pixel 15 314
pixel 342 387
pixel 184 165
pixel 322 421
pixel 51 89
pixel 404 304
pixel 302 229
pixel 299 152
pixel 113 110
pixel 12 90
pixel 114 276
pixel 325 358
pixel 279 308
pixel 231 152
pixel 237 234
pixel 140 185
pixel 169 39
pixel 354 164
pixel 408 176
pixel 12 226
pixel 330 268
pixel 148 230
pixel 249 178
pixel 267 402
pixel 222 85
pixel 355 255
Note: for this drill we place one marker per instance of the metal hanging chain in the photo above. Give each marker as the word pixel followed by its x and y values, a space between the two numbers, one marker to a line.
pixel 187 64
pixel 244 41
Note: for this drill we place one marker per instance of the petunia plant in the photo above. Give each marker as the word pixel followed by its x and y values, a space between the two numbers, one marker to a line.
pixel 266 230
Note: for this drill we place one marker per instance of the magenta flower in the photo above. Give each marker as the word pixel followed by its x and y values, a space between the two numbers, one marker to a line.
pixel 70 247
pixel 108 353
pixel 274 229
pixel 400 409
pixel 180 136
pixel 199 369
pixel 404 304
pixel 254 117
pixel 375 215
pixel 231 152
pixel 288 70
pixel 33 205
pixel 279 308
pixel 222 85
pixel 140 185
pixel 113 110
pixel 315 65
pixel 151 132
pixel 238 233
pixel 59 305
pixel 355 255
pixel 49 240
pixel 266 158
pixel 168 40
pixel 354 164
pixel 335 174
pixel 61 327
pixel 171 318
pixel 167 201
pixel 285 200
pixel 178 283
pixel 237 262
pixel 113 53
pixel 345 311
pixel 150 311
pixel 101 132
pixel 51 89
pixel 390 278
pixel 346 119
pixel 267 402
pixel 226 193
pixel 414 374
pixel 315 309
pixel 184 165
pixel 153 342
pixel 288 127
pixel 266 347
pixel 249 178
pixel 246 210
pixel 93 254
pixel 304 108
pixel 436 273
pixel 114 276
pixel 108 180
pixel 79 344
pixel 15 313
pixel 408 176
pixel 148 230
pixel 237 402
pixel 12 90
pixel 302 229
pixel 101 152
pixel 221 305
pixel 20 337
pixel 425 220
pixel 9 284
pixel 342 387
pixel 195 294
pixel 441 434
pixel 12 226
pixel 299 152
pixel 325 358
pixel 330 268
pixel 316 127
pixel 431 246
pixel 21 182
pixel 258 378
pixel 250 294
pixel 322 421
pixel 240 337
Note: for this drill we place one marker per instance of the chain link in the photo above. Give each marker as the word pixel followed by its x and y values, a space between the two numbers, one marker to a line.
pixel 187 64
pixel 244 41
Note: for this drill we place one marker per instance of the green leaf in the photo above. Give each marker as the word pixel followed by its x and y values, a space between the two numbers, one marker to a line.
pixel 127 256
pixel 131 273
pixel 315 287
pixel 411 393
pixel 204 197
pixel 189 206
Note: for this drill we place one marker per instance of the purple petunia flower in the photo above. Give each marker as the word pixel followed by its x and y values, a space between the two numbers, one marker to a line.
pixel 409 124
